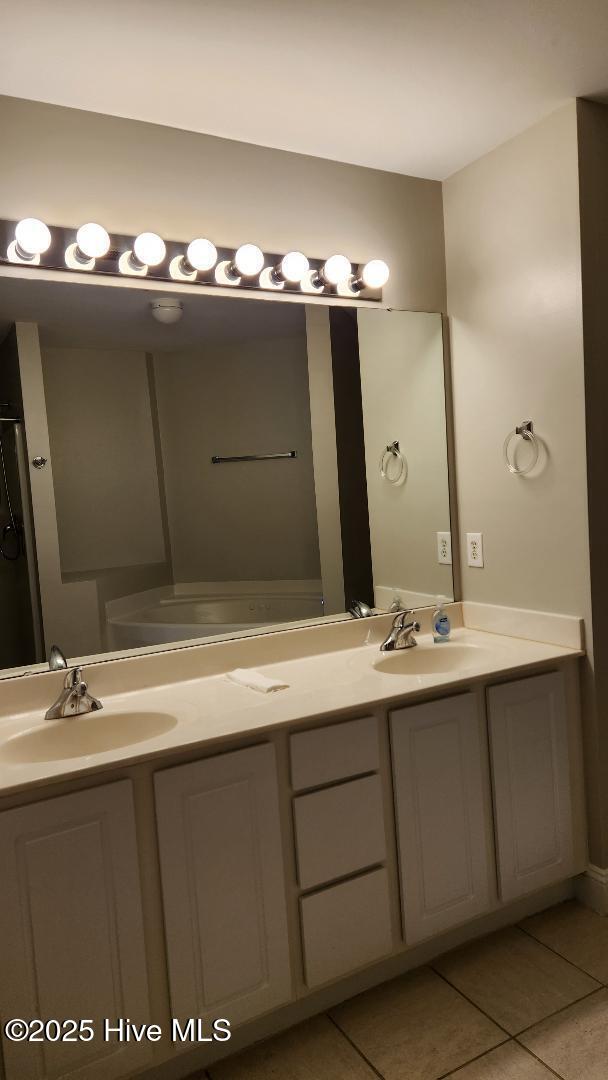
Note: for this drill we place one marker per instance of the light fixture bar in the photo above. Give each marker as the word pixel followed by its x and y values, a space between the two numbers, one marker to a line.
pixel 89 247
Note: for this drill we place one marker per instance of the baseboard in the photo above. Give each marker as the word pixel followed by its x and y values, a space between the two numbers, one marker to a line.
pixel 591 888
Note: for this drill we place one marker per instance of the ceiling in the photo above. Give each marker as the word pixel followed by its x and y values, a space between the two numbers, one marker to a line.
pixel 420 87
pixel 95 316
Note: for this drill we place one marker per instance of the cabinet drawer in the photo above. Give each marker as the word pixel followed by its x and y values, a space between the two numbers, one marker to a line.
pixel 334 752
pixel 346 927
pixel 339 830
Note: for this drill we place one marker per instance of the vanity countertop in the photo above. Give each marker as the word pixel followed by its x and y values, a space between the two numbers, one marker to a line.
pixel 209 709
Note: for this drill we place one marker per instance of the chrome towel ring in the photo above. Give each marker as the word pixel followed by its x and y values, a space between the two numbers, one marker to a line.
pixel 525 431
pixel 393 465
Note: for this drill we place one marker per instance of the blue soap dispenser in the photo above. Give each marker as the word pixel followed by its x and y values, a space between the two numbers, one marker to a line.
pixel 441 622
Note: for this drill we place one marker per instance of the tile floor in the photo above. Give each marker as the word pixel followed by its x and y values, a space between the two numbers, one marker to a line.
pixel 526 1003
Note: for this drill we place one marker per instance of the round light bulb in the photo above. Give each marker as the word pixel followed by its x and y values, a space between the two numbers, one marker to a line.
pixel 293 266
pixel 249 260
pixel 93 240
pixel 375 274
pixel 337 269
pixel 33 236
pixel 201 254
pixel 149 248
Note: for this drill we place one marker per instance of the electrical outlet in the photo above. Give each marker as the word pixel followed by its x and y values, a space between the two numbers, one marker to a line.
pixel 475 549
pixel 444 547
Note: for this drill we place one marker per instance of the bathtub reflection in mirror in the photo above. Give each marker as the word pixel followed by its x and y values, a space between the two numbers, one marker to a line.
pixel 140 531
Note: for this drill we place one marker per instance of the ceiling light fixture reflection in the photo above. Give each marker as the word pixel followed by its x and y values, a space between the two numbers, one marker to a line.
pixel 32 239
pixel 167 310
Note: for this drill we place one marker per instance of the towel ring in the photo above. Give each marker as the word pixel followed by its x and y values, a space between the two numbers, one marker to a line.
pixel 390 453
pixel 524 431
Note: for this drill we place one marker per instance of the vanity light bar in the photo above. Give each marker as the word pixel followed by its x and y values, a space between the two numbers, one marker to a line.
pixel 30 242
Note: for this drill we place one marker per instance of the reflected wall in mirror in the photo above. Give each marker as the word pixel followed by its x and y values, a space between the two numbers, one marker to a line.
pixel 137 532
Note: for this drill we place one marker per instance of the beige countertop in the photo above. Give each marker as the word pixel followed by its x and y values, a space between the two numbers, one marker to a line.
pixel 209 708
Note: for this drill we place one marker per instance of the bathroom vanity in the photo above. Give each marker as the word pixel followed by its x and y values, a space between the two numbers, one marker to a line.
pixel 197 850
pixel 268 855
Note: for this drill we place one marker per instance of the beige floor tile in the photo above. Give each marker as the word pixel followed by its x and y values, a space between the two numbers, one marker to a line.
pixel 315 1050
pixel 508 1062
pixel 575 932
pixel 575 1042
pixel 416 1027
pixel 514 979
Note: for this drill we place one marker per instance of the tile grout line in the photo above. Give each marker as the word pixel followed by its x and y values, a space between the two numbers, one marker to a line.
pixel 522 1031
pixel 509 1036
pixel 478 1057
pixel 560 955
pixel 561 1009
pixel 355 1047
pixel 539 1059
pixel 475 1006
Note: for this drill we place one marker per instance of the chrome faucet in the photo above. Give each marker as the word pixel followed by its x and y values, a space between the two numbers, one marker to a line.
pixel 57 660
pixel 402 633
pixel 74 699
pixel 360 610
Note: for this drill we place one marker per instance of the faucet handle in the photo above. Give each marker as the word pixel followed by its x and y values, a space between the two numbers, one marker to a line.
pixel 73 679
pixel 401 617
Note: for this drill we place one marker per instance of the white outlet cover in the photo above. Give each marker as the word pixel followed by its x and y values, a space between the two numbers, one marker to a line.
pixel 444 547
pixel 475 549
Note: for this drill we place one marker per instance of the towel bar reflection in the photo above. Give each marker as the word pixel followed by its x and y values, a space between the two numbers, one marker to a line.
pixel 215 460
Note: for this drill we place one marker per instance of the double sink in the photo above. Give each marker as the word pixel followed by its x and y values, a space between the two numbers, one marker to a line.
pixel 104 731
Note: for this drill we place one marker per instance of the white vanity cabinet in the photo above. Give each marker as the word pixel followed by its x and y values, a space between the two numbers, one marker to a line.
pixel 531 764
pixel 223 885
pixel 440 772
pixel 71 930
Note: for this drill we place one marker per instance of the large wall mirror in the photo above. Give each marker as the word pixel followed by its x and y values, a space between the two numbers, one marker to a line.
pixel 256 464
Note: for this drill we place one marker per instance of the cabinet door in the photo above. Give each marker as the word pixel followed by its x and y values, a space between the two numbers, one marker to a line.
pixel 531 776
pixel 71 931
pixel 440 770
pixel 223 885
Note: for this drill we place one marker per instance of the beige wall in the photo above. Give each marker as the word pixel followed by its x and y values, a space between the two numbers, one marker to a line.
pixel 105 469
pixel 69 166
pixel 514 297
pixel 402 387
pixel 245 520
pixel 514 290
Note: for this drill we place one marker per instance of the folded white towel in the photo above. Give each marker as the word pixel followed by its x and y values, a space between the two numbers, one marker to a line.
pixel 255 680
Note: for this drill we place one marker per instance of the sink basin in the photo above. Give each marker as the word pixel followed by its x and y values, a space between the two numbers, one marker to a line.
pixel 431 659
pixel 93 733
